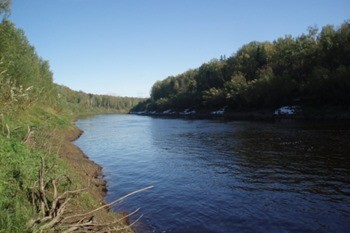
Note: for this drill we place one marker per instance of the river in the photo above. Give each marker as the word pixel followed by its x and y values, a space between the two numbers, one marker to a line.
pixel 216 176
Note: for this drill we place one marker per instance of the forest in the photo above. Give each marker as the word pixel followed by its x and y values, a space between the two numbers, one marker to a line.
pixel 312 69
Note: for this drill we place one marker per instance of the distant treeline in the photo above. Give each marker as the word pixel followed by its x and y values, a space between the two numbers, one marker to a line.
pixel 312 69
pixel 87 100
pixel 26 80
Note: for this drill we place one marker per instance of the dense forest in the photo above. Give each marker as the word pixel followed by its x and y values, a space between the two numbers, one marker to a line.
pixel 309 70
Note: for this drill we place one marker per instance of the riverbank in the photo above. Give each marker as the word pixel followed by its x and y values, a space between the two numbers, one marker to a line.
pixel 44 180
pixel 87 174
pixel 285 112
pixel 40 164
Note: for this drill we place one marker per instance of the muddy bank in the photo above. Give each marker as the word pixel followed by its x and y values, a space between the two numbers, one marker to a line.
pixel 86 174
pixel 89 170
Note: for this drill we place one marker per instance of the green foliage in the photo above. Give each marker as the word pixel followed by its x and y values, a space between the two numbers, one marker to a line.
pixel 234 90
pixel 5 7
pixel 312 69
pixel 213 97
pixel 78 102
pixel 210 75
pixel 31 103
pixel 19 170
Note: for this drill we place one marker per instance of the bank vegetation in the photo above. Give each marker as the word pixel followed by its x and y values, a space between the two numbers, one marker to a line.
pixel 46 183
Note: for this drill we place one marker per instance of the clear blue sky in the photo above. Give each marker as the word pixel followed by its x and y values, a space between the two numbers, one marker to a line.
pixel 122 47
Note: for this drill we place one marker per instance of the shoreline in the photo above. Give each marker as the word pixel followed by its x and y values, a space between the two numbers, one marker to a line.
pixel 91 174
pixel 97 176
pixel 87 174
pixel 307 114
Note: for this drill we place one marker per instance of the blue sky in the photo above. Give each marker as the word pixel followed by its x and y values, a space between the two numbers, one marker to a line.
pixel 122 47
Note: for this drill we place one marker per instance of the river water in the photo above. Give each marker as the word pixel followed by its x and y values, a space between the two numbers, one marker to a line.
pixel 214 176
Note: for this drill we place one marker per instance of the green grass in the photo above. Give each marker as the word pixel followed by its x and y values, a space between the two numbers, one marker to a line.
pixel 19 169
pixel 20 165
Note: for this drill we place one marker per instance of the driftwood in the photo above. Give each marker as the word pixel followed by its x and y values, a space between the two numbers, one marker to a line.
pixel 52 212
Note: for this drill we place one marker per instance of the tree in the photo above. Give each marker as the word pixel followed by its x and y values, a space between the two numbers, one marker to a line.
pixel 5 7
pixel 311 69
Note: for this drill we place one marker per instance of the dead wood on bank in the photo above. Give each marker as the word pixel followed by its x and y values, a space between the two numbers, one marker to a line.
pixel 53 209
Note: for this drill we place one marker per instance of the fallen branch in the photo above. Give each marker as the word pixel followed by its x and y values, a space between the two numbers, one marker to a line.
pixel 107 224
pixel 112 203
pixel 52 211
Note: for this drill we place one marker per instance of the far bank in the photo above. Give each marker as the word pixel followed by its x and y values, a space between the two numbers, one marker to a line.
pixel 284 112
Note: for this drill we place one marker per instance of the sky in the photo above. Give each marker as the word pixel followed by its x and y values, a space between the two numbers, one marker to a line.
pixel 122 47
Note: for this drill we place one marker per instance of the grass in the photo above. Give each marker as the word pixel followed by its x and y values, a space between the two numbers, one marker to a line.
pixel 19 168
pixel 20 163
pixel 20 159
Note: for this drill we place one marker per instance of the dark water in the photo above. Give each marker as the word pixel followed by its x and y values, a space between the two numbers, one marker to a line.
pixel 212 176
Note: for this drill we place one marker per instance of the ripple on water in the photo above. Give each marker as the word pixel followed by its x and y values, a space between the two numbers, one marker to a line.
pixel 213 176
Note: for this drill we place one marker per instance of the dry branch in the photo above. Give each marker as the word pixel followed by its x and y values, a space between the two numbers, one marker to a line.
pixel 112 203
pixel 28 135
pixel 52 211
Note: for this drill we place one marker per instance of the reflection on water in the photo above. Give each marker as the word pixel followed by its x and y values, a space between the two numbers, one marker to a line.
pixel 212 176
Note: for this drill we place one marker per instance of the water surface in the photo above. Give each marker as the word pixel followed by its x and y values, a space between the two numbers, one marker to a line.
pixel 213 176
